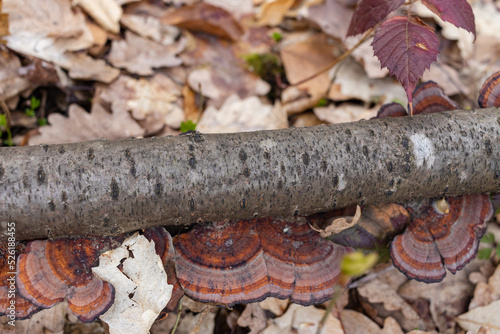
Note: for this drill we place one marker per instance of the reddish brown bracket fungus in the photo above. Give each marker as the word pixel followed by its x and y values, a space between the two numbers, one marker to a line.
pixel 392 109
pixel 436 239
pixel 11 303
pixel 489 94
pixel 231 263
pixel 53 270
pixel 377 226
pixel 428 98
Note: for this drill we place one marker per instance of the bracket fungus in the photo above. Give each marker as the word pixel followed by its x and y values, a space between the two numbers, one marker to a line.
pixel 428 98
pixel 489 94
pixel 438 238
pixel 11 303
pixel 231 263
pixel 51 271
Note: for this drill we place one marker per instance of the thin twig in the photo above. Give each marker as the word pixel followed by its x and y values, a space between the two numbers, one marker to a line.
pixel 178 317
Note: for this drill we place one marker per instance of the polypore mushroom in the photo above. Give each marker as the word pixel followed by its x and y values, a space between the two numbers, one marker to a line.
pixel 428 98
pixel 231 263
pixel 11 303
pixel 438 238
pixel 376 227
pixel 392 109
pixel 51 271
pixel 489 94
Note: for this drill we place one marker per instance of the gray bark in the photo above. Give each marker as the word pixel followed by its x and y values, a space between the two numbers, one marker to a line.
pixel 110 187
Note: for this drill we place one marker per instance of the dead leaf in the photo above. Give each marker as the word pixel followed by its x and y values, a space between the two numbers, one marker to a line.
pixel 238 9
pixel 253 317
pixel 296 100
pixel 152 102
pixel 237 115
pixel 149 26
pixel 304 55
pixel 380 301
pixel 351 82
pixel 141 288
pixel 11 82
pixel 219 72
pixel 303 320
pixel 446 77
pixel 275 305
pixel 484 293
pixel 84 67
pixel 354 322
pixel 139 55
pixel 4 24
pixel 343 113
pixel 206 18
pixel 364 55
pixel 332 17
pixel 82 126
pixel 46 321
pixel 339 224
pixel 272 12
pixel 106 13
pixel 482 316
pixel 306 119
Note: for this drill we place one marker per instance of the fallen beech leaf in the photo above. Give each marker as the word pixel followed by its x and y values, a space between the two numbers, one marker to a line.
pixel 238 115
pixel 11 83
pixel 152 102
pixel 106 13
pixel 206 18
pixel 482 316
pixel 370 12
pixel 340 224
pixel 82 126
pixel 332 16
pixel 139 55
pixel 141 287
pixel 303 320
pixel 305 55
pixel 407 47
pixel 272 12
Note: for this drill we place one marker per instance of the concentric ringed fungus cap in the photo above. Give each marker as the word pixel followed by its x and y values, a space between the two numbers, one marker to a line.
pixel 429 98
pixel 22 308
pixel 53 270
pixel 437 239
pixel 489 94
pixel 248 261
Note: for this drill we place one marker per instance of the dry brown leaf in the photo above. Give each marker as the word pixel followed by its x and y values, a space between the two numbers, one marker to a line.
pixel 219 72
pixel 150 27
pixel 139 55
pixel 332 16
pixel 351 82
pixel 303 320
pixel 83 67
pixel 272 12
pixel 306 119
pixel 275 305
pixel 238 9
pixel 485 293
pixel 380 301
pixel 253 317
pixel 100 38
pixel 343 113
pixel 482 316
pixel 4 24
pixel 364 55
pixel 82 126
pixel 304 55
pixel 46 321
pixel 106 13
pixel 354 322
pixel 40 73
pixel 206 18
pixel 237 115
pixel 11 83
pixel 152 102
pixel 339 224
pixel 446 77
pixel 448 298
pixel 296 100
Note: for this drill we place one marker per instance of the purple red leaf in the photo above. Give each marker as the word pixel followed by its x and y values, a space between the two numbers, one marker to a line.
pixel 407 47
pixel 458 12
pixel 369 13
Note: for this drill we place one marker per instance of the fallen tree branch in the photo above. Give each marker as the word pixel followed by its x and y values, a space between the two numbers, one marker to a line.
pixel 110 187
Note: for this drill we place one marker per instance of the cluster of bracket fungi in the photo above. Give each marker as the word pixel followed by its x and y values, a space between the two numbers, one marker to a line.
pixel 229 263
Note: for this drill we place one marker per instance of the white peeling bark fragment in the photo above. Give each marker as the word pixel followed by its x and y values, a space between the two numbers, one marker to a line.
pixel 342 184
pixel 423 149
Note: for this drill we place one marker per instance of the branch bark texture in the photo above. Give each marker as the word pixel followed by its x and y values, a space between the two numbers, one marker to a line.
pixel 110 187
